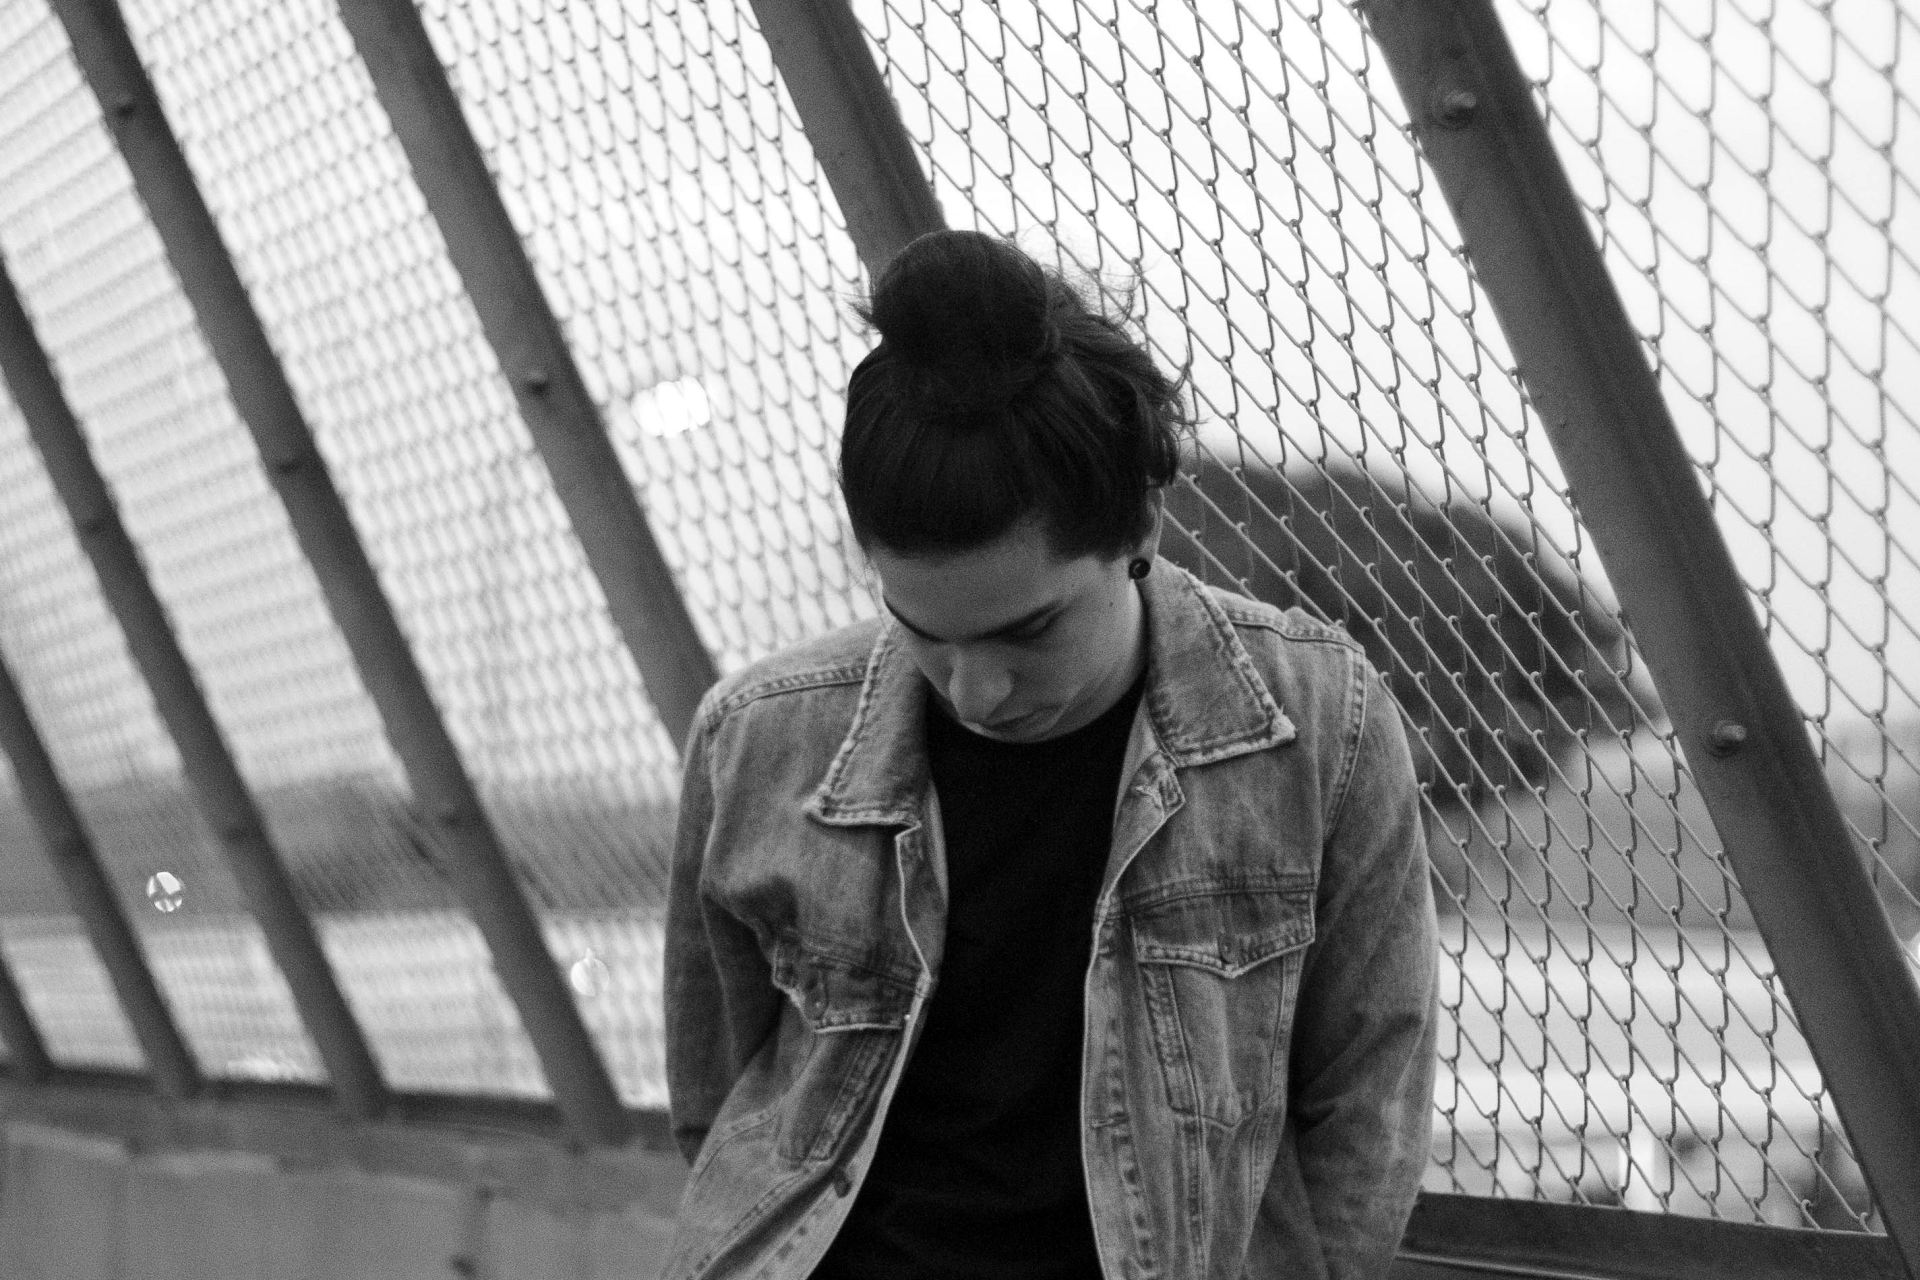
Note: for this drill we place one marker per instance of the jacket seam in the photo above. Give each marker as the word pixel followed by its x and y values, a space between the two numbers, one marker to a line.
pixel 799 682
pixel 1284 883
pixel 852 961
pixel 1285 625
pixel 1333 640
pixel 748 1220
pixel 1356 730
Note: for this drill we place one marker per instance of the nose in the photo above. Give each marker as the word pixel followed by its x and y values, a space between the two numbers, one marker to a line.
pixel 977 685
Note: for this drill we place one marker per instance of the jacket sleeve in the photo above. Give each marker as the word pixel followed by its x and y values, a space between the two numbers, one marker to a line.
pixel 1361 1111
pixel 719 995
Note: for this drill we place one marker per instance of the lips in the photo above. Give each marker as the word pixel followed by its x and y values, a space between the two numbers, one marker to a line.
pixel 1012 724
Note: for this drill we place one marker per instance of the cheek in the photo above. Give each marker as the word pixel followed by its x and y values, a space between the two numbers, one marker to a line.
pixel 933 664
pixel 1050 675
pixel 1070 670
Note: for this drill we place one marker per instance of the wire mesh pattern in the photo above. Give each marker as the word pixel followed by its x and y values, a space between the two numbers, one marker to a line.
pixel 418 427
pixel 1751 170
pixel 1617 1032
pixel 673 209
pixel 1241 175
pixel 76 242
pixel 68 992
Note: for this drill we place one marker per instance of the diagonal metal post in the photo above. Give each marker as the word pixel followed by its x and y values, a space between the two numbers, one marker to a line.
pixel 1852 989
pixel 90 893
pixel 853 124
pixel 222 794
pixel 474 861
pixel 17 1030
pixel 642 597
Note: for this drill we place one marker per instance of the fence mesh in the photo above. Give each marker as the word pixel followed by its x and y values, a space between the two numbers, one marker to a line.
pixel 1615 1031
pixel 77 243
pixel 1751 171
pixel 1618 1034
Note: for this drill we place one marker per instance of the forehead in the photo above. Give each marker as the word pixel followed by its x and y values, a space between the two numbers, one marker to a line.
pixel 957 595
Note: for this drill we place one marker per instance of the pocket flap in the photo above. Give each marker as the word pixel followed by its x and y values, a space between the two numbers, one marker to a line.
pixel 1227 931
pixel 834 993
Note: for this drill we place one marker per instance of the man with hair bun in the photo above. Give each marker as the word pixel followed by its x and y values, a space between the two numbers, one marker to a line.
pixel 1071 919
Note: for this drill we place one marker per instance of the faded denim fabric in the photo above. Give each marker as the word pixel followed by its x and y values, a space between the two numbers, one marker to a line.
pixel 1257 1083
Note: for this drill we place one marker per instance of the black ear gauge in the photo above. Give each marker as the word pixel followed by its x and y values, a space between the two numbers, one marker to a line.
pixel 1139 567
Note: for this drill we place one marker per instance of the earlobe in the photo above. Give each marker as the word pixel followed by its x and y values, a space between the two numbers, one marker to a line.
pixel 1149 547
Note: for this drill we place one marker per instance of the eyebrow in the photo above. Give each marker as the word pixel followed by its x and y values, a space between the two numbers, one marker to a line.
pixel 1020 623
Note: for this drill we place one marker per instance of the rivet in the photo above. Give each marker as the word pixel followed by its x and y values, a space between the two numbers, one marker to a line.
pixel 1454 106
pixel 1727 737
pixel 125 106
pixel 535 379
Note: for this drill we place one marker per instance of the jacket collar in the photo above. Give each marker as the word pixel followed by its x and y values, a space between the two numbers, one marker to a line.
pixel 1204 701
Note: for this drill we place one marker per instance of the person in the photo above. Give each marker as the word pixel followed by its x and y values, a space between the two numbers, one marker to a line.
pixel 1071 918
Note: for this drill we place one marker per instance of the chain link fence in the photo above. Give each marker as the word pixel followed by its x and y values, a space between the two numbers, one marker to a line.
pixel 1618 1034
pixel 1242 174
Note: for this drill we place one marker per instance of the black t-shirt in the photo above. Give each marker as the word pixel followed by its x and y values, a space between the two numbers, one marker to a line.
pixel 978 1171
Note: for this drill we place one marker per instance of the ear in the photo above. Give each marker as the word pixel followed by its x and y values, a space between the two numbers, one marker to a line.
pixel 1149 546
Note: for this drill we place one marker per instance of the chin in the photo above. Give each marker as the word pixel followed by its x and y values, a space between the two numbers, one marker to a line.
pixel 1031 727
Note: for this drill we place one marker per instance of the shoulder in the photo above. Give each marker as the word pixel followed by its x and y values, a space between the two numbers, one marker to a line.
pixel 1258 622
pixel 1329 690
pixel 1317 674
pixel 826 665
pixel 1290 645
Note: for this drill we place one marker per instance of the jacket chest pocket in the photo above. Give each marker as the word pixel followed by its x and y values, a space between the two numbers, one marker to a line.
pixel 1219 974
pixel 844 1022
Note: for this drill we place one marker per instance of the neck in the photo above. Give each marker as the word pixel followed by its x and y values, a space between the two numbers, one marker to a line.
pixel 1134 618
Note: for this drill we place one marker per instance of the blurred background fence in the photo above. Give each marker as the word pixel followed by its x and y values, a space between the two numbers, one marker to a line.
pixel 1241 174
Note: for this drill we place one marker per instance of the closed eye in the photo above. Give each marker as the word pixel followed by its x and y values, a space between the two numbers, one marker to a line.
pixel 1021 631
pixel 1028 635
pixel 1025 636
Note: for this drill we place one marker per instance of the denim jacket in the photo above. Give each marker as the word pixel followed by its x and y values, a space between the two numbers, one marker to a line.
pixel 1257 1074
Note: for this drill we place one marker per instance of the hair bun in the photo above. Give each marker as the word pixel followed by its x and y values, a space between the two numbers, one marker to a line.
pixel 969 308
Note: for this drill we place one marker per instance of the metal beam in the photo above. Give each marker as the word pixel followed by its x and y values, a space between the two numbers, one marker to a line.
pixel 1746 742
pixel 1454 1237
pixel 224 799
pixel 90 892
pixel 250 1115
pixel 642 597
pixel 853 123
pixel 25 1049
pixel 474 860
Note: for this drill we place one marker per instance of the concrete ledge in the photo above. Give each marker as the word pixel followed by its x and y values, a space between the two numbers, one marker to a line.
pixel 102 1181
pixel 101 1184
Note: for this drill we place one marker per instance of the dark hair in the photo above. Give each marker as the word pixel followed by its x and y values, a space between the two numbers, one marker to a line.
pixel 999 394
